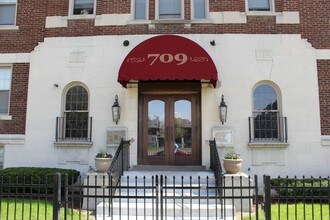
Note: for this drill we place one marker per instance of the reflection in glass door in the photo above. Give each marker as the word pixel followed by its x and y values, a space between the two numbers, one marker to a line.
pixel 182 135
pixel 156 134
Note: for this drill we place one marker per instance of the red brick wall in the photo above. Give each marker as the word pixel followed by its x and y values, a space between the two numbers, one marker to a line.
pixel 314 26
pixel 18 100
pixel 315 22
pixel 323 68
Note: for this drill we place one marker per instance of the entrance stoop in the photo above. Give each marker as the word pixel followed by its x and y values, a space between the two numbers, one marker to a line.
pixel 169 192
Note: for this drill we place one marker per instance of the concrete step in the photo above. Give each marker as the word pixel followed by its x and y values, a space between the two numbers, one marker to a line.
pixel 139 178
pixel 168 168
pixel 175 210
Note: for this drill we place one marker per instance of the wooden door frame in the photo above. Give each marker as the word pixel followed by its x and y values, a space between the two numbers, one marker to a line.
pixel 168 88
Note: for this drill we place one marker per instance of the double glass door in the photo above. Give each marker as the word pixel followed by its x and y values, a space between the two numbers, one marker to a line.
pixel 169 128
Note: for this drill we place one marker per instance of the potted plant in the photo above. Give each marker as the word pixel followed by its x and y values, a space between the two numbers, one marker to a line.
pixel 232 163
pixel 103 160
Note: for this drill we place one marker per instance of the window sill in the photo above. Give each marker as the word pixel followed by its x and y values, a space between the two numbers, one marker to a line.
pixel 81 17
pixel 6 118
pixel 138 21
pixel 260 13
pixel 170 21
pixel 82 144
pixel 199 21
pixel 9 27
pixel 268 145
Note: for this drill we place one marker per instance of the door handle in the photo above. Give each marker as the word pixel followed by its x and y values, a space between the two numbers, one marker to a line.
pixel 171 134
pixel 167 134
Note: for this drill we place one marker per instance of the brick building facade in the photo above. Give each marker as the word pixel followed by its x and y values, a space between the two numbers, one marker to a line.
pixel 40 27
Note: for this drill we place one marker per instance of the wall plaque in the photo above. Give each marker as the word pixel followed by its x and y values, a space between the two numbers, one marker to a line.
pixel 115 134
pixel 223 136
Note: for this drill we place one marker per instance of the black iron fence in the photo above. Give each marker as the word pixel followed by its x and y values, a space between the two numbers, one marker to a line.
pixel 103 196
pixel 268 129
pixel 297 198
pixel 73 129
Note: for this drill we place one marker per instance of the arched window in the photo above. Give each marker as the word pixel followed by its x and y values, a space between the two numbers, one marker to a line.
pixel 267 123
pixel 76 113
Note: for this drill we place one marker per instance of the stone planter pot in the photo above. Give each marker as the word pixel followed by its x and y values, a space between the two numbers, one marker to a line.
pixel 232 166
pixel 102 165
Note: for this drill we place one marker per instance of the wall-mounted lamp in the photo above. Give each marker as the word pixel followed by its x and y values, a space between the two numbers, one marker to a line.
pixel 126 43
pixel 223 110
pixel 116 110
pixel 212 42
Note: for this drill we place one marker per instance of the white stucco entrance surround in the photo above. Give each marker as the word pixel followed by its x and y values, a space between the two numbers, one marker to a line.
pixel 242 61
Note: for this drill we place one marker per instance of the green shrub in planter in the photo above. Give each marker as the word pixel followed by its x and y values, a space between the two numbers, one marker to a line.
pixel 33 179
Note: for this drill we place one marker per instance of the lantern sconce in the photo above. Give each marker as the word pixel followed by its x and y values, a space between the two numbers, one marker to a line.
pixel 116 110
pixel 223 110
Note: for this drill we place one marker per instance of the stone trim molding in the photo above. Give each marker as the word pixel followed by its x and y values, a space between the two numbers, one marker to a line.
pixel 325 140
pixel 14 58
pixel 323 54
pixel 73 144
pixel 12 139
pixel 56 22
pixel 224 17
pixel 6 118
pixel 268 145
pixel 9 27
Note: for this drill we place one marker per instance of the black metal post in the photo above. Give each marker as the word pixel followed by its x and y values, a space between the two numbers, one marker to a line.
pixel 286 130
pixel 90 130
pixel 57 196
pixel 267 203
pixel 66 196
pixel 256 189
pixel 56 133
pixel 250 139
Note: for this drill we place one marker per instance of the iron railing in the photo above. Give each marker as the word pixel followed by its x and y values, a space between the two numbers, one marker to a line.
pixel 268 129
pixel 215 163
pixel 73 129
pixel 121 161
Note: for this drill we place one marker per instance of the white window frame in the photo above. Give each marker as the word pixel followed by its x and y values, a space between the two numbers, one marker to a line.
pixel 279 106
pixel 157 12
pixel 64 96
pixel 271 7
pixel 71 9
pixel 146 16
pixel 10 3
pixel 6 116
pixel 207 10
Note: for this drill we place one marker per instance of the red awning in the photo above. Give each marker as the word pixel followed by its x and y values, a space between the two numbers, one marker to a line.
pixel 167 57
